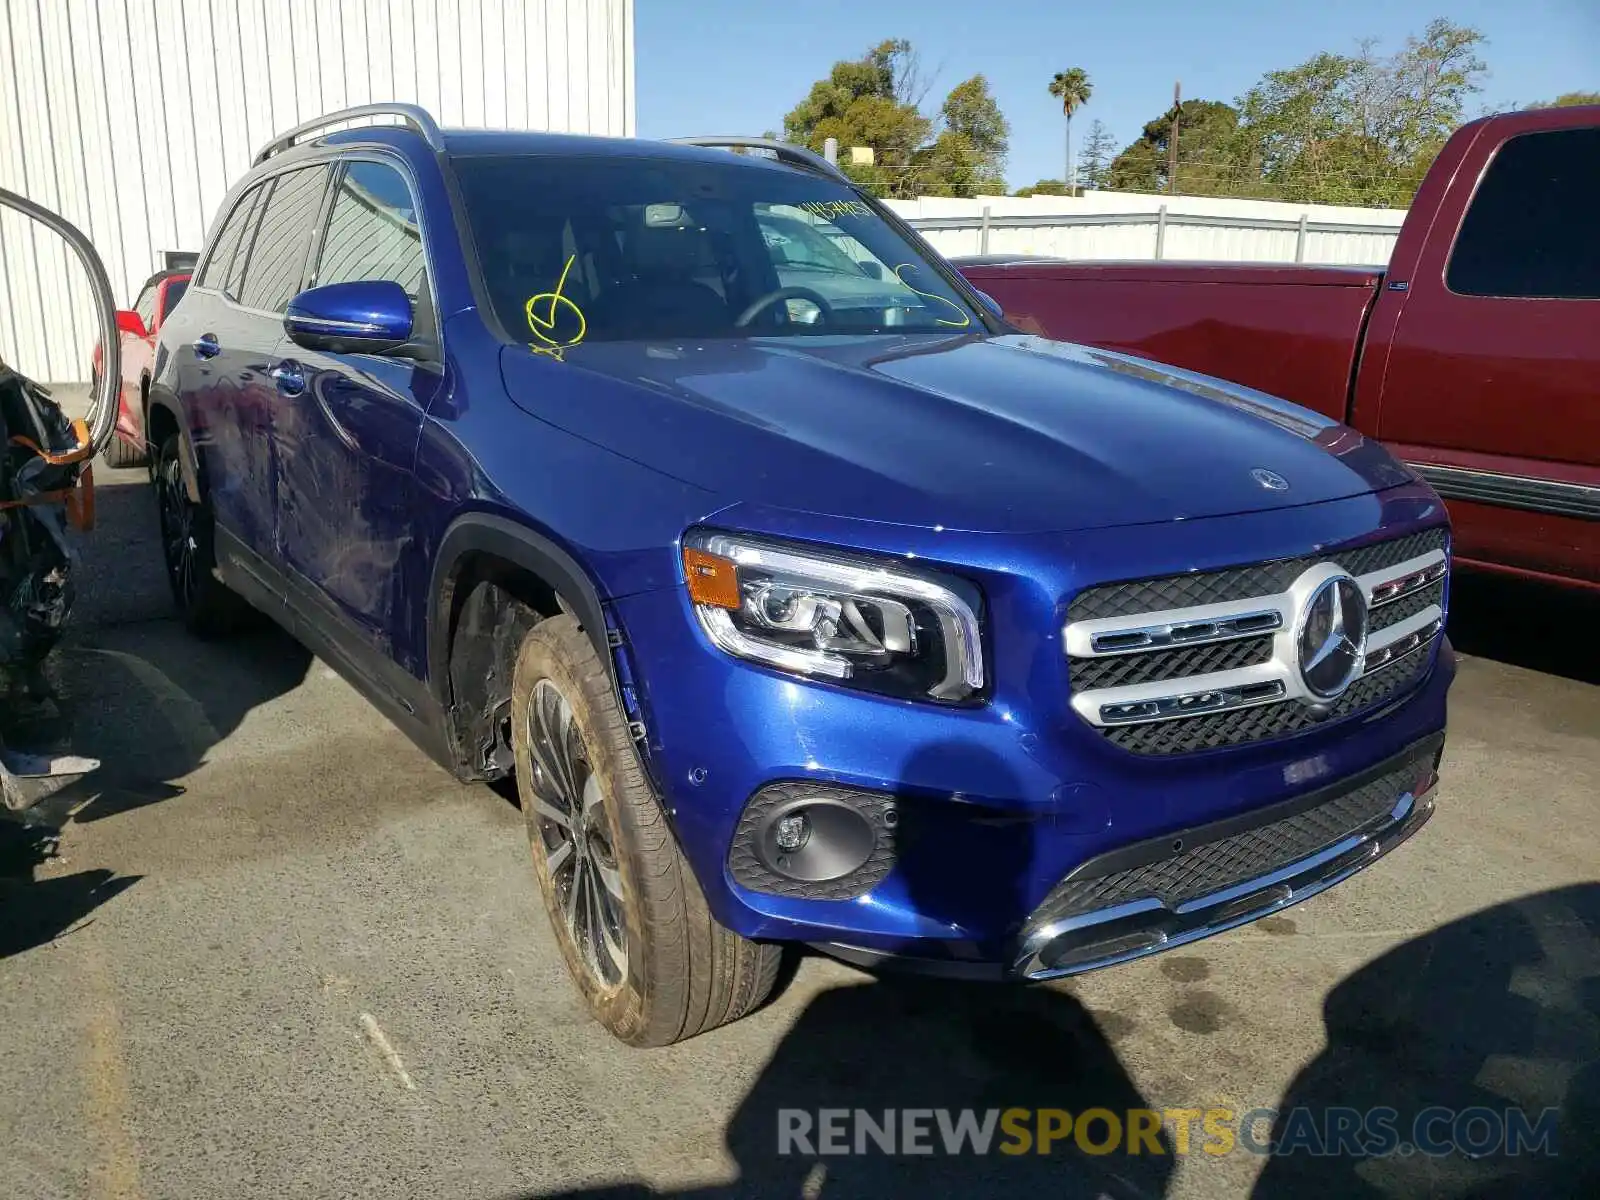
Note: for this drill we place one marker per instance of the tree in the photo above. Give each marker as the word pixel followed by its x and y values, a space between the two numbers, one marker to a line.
pixel 861 104
pixel 876 101
pixel 1209 146
pixel 1094 168
pixel 1358 128
pixel 971 115
pixel 1073 89
pixel 1569 100
pixel 1362 129
pixel 1045 187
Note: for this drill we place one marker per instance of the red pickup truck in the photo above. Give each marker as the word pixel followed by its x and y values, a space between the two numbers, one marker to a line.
pixel 1475 355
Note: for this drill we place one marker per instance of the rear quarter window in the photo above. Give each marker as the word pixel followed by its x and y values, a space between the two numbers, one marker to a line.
pixel 219 263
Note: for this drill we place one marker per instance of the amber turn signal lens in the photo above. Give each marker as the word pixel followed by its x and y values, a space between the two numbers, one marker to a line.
pixel 712 579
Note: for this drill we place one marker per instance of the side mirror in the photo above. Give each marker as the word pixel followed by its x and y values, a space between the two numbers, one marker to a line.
pixel 369 316
pixel 990 303
pixel 129 321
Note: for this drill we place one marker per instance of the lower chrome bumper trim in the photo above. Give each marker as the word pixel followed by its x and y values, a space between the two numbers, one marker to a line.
pixel 1143 927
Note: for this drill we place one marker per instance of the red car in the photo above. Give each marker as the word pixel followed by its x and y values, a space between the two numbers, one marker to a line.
pixel 137 328
pixel 1474 355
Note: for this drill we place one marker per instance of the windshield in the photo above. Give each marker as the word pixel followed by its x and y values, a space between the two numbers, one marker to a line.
pixel 607 248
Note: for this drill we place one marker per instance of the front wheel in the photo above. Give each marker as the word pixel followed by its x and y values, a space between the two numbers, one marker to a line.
pixel 653 965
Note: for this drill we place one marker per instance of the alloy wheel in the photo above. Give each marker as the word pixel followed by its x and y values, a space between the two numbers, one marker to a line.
pixel 178 529
pixel 569 827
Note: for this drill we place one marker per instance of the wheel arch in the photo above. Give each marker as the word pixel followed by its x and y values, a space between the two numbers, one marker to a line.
pixel 163 414
pixel 530 568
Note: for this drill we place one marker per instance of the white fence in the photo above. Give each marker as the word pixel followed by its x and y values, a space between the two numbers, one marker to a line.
pixel 133 118
pixel 1129 225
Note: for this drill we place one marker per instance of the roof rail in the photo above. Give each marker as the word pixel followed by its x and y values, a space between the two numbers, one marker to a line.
pixel 795 156
pixel 416 117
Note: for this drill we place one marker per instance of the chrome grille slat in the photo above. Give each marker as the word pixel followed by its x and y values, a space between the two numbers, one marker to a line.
pixel 1196 676
pixel 1213 731
pixel 1151 596
pixel 1121 669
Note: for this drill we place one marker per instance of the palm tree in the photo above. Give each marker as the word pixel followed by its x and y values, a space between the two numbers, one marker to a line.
pixel 1073 89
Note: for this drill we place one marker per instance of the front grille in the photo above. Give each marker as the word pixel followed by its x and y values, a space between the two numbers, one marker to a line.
pixel 1407 606
pixel 1237 583
pixel 1113 660
pixel 1212 865
pixel 1215 730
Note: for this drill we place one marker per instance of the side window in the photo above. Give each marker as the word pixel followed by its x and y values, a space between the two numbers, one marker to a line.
pixel 1530 229
pixel 215 273
pixel 277 257
pixel 175 290
pixel 373 231
pixel 145 306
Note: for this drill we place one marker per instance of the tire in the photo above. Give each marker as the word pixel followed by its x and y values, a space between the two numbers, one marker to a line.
pixel 206 606
pixel 119 453
pixel 652 964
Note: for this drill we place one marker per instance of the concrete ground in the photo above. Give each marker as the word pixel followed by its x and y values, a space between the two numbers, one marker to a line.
pixel 277 953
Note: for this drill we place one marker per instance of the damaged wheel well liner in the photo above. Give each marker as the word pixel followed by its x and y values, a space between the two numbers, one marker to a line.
pixel 494 580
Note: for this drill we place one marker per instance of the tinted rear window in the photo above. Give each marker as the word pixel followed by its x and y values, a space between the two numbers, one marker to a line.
pixel 1531 228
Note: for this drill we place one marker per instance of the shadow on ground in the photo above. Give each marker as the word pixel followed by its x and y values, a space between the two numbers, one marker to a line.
pixel 1494 1012
pixel 1526 623
pixel 1499 1010
pixel 908 1044
pixel 34 910
pixel 133 690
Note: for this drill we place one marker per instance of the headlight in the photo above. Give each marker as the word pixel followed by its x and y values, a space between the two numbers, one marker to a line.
pixel 820 614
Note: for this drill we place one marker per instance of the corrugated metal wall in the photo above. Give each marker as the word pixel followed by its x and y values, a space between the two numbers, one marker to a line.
pixel 1233 230
pixel 133 117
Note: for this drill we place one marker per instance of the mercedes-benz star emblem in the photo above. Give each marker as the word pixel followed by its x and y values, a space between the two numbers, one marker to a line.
pixel 1270 480
pixel 1333 636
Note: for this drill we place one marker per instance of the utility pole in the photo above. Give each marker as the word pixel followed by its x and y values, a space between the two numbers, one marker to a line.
pixel 1172 139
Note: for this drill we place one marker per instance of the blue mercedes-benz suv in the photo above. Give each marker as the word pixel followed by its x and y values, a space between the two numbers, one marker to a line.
pixel 806 599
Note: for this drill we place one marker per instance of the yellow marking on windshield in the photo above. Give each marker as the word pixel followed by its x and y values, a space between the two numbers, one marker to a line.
pixel 543 326
pixel 950 304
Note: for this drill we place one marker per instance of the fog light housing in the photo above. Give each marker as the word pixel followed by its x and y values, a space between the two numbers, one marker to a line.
pixel 817 841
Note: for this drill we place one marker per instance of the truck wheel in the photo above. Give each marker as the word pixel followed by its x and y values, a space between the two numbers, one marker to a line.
pixel 119 453
pixel 207 607
pixel 653 965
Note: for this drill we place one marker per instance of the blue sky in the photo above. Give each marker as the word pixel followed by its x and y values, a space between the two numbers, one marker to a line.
pixel 736 66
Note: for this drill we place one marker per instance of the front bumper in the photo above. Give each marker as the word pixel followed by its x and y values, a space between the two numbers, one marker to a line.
pixel 1189 885
pixel 999 803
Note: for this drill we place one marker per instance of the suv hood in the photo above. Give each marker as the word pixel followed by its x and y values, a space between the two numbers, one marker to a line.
pixel 999 434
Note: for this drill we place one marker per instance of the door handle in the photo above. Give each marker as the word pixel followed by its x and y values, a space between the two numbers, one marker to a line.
pixel 207 346
pixel 291 381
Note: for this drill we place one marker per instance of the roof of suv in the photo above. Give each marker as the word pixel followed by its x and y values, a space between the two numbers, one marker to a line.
pixel 478 142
